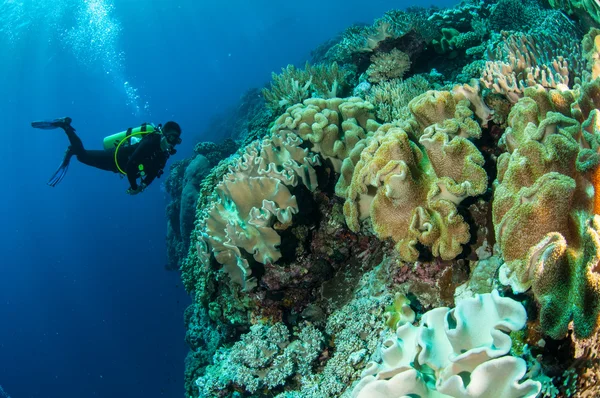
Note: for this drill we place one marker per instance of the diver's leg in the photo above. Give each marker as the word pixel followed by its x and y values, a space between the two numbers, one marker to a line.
pixel 76 143
pixel 100 159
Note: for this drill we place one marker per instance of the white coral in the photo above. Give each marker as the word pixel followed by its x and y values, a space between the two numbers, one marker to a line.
pixel 453 353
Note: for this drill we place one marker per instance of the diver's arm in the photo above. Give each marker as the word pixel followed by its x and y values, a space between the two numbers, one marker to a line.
pixel 144 147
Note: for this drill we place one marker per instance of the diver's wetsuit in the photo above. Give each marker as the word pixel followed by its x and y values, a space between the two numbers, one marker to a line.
pixel 147 152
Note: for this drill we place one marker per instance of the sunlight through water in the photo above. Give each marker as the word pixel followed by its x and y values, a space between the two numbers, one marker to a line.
pixel 92 34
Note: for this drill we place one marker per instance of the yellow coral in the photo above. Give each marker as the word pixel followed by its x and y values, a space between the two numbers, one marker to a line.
pixel 411 198
pixel 432 107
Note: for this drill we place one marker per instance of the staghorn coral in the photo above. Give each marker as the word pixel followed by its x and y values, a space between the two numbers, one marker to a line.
pixel 521 61
pixel 294 85
pixel 391 98
pixel 460 352
pixel 388 66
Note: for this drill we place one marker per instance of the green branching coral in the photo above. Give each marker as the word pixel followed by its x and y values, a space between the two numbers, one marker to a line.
pixel 387 66
pixel 391 98
pixel 292 85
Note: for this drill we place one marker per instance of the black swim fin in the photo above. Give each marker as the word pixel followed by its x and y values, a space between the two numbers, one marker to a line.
pixel 60 173
pixel 52 124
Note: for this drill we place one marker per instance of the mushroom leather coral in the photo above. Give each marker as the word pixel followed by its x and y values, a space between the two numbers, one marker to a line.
pixel 543 214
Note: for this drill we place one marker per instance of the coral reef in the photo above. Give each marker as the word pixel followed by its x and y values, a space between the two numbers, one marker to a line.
pixel 333 234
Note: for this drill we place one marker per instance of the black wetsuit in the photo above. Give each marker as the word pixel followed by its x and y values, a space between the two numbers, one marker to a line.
pixel 147 152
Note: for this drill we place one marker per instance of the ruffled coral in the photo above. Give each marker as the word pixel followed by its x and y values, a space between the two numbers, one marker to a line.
pixel 332 126
pixel 247 201
pixel 411 195
pixel 458 353
pixel 543 216
pixel 411 192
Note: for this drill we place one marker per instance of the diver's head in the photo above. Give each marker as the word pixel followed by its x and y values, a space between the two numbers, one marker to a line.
pixel 171 136
pixel 172 133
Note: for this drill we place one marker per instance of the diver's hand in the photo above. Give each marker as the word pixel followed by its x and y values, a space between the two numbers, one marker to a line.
pixel 139 189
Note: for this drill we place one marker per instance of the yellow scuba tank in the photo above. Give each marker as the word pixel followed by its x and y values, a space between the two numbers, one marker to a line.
pixel 131 136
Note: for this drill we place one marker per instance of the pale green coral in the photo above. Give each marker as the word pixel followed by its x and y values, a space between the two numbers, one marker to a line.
pixel 391 98
pixel 461 352
pixel 249 200
pixel 332 127
pixel 388 66
pixel 292 85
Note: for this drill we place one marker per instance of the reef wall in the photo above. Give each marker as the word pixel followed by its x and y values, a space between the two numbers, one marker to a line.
pixel 414 213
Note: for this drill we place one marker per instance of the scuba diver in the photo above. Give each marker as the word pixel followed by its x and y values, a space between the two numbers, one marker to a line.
pixel 140 152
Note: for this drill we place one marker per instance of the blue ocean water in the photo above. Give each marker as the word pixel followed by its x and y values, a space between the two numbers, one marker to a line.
pixel 86 306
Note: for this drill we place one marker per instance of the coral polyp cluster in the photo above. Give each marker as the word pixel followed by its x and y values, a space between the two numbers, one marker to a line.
pixel 415 214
